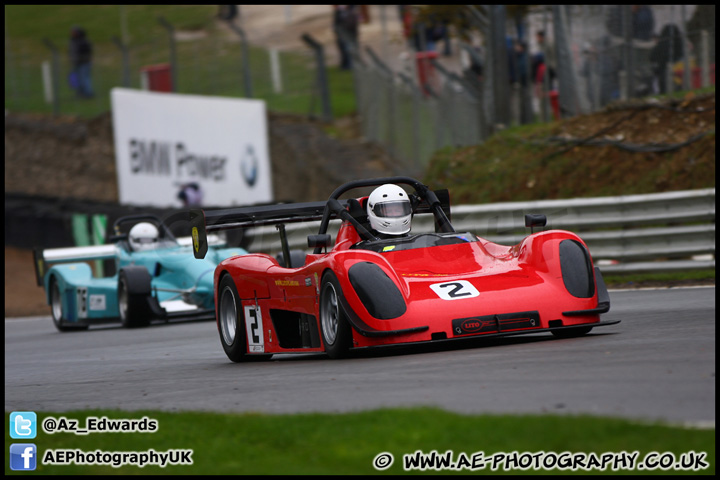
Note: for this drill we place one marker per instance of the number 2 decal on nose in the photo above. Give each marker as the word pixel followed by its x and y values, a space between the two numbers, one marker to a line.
pixel 254 329
pixel 455 290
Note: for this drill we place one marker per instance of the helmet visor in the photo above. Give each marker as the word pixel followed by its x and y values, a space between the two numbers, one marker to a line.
pixel 392 209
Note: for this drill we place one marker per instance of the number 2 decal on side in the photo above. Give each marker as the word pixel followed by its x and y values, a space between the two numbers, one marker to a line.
pixel 254 329
pixel 455 290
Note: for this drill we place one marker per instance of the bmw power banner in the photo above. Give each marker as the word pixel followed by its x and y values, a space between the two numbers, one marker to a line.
pixel 189 150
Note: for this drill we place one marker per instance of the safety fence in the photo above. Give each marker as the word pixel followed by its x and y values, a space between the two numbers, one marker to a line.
pixel 632 233
pixel 221 61
pixel 627 234
pixel 553 62
pixel 590 55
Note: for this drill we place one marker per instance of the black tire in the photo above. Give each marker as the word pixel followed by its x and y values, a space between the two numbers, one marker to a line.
pixel 231 323
pixel 571 332
pixel 134 291
pixel 334 325
pixel 58 315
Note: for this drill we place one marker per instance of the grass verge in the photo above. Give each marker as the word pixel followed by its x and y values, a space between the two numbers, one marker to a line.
pixel 349 443
pixel 668 279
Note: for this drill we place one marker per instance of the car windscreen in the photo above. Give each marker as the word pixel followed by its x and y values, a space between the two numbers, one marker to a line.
pixel 423 240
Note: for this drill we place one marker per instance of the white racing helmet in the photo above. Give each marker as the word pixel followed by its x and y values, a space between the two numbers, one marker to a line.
pixel 389 210
pixel 144 236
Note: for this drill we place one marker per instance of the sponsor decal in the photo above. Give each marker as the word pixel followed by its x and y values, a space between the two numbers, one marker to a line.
pixel 155 157
pixel 196 239
pixel 496 323
pixel 472 325
pixel 97 302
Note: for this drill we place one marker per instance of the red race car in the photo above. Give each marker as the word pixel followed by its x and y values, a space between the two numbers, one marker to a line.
pixel 379 284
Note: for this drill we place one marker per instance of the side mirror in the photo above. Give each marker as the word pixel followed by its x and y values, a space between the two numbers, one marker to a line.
pixel 535 220
pixel 198 233
pixel 321 241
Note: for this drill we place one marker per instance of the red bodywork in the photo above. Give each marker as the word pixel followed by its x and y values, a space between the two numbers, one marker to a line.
pixel 450 291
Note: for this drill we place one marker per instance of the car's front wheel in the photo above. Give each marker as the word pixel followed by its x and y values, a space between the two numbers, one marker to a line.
pixel 336 330
pixel 133 292
pixel 231 323
pixel 56 309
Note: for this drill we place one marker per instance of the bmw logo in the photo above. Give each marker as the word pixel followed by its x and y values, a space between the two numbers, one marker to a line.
pixel 249 166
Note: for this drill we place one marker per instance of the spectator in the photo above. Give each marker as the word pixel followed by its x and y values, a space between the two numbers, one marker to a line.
pixel 510 52
pixel 405 12
pixel 668 49
pixel 228 12
pixel 545 57
pixel 520 60
pixel 589 70
pixel 441 31
pixel 81 62
pixel 474 68
pixel 643 22
pixel 703 20
pixel 428 31
pixel 472 62
pixel 608 65
pixel 345 24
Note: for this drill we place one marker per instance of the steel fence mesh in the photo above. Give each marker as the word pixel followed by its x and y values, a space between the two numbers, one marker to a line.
pixel 594 54
pixel 630 51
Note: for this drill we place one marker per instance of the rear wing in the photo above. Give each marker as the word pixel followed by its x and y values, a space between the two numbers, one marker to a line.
pixel 204 221
pixel 42 258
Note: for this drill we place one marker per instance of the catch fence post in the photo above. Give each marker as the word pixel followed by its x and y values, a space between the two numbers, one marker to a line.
pixel 247 77
pixel 124 51
pixel 55 69
pixel 322 81
pixel 173 57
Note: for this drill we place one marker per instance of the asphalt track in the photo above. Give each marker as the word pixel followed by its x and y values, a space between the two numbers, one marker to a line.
pixel 657 364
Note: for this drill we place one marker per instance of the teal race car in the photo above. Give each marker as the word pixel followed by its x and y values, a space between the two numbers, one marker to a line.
pixel 155 277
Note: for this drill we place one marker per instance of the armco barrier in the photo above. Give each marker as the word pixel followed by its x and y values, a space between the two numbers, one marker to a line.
pixel 629 234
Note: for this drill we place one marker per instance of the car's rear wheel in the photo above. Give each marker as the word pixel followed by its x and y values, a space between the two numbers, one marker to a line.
pixel 571 332
pixel 336 330
pixel 56 309
pixel 231 322
pixel 133 292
